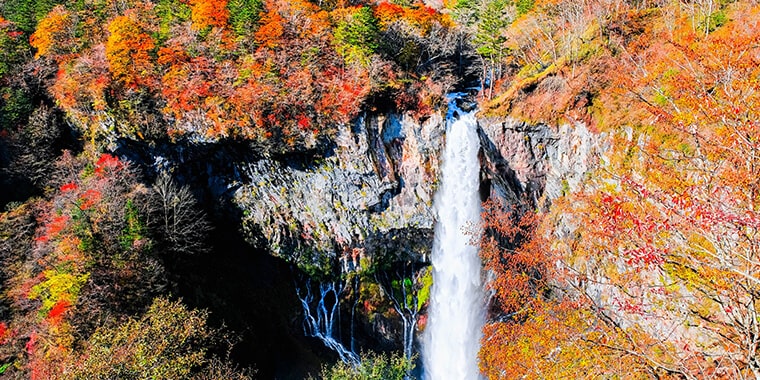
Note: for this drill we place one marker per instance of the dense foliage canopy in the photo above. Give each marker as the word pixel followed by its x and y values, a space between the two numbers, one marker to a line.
pixel 282 73
pixel 649 268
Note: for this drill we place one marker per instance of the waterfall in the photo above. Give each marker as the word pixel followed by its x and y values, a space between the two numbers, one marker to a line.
pixel 323 322
pixel 456 316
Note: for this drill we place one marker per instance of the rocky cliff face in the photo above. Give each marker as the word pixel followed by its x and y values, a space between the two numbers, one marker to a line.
pixel 527 162
pixel 370 197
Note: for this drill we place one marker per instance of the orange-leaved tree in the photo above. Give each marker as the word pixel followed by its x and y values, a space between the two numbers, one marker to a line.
pixel 209 13
pixel 53 33
pixel 537 326
pixel 129 47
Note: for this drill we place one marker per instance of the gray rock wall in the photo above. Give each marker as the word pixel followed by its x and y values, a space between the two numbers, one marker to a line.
pixel 372 198
pixel 533 161
pixel 376 190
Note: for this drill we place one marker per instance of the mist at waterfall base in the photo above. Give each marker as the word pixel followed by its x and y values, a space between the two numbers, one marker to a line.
pixel 456 314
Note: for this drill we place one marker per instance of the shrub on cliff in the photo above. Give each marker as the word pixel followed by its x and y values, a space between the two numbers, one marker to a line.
pixel 167 342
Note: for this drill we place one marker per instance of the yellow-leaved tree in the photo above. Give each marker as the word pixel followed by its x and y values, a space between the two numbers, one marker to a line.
pixel 128 49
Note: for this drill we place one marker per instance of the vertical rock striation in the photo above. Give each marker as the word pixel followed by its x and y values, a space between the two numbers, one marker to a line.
pixel 375 189
pixel 526 161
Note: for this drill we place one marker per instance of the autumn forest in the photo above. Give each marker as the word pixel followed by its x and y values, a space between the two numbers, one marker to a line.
pixel 194 189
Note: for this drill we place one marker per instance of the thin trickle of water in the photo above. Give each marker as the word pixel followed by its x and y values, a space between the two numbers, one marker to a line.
pixel 456 316
pixel 323 322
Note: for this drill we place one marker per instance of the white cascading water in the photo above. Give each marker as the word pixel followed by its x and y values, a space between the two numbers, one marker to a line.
pixel 456 316
pixel 321 323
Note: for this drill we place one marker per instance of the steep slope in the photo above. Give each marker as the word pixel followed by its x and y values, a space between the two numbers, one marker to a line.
pixel 644 267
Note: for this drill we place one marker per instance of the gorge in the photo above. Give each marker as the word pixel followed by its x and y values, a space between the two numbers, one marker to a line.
pixel 361 271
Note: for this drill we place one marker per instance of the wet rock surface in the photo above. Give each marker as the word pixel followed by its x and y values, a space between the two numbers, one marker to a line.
pixel 364 198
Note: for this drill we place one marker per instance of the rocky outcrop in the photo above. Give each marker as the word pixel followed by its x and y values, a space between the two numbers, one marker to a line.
pixel 527 162
pixel 367 195
pixel 374 190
